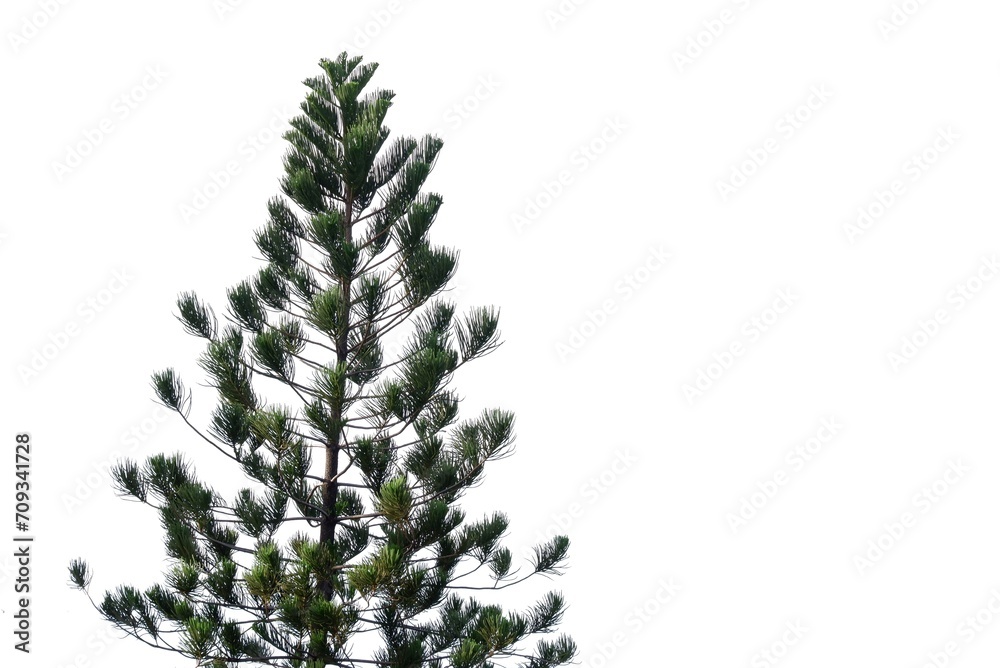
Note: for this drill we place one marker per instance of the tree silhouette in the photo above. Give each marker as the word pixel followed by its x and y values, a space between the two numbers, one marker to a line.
pixel 303 564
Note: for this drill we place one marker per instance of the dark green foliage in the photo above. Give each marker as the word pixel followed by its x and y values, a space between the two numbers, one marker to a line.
pixel 197 318
pixel 79 574
pixel 306 559
pixel 170 390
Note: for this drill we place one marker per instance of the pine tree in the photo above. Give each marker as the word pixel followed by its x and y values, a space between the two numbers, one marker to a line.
pixel 304 563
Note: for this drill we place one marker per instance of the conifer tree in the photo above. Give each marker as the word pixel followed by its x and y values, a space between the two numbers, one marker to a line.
pixel 347 547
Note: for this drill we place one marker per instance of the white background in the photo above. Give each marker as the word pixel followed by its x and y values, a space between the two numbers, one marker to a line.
pixel 594 371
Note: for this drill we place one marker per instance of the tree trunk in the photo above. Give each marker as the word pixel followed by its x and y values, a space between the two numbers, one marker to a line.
pixel 328 525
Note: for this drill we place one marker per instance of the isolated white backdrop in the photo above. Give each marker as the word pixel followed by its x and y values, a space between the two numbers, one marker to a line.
pixel 601 335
